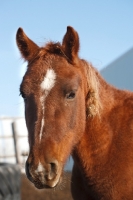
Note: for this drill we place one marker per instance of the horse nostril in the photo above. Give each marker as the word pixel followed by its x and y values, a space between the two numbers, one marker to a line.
pixel 53 168
pixel 27 167
pixel 27 170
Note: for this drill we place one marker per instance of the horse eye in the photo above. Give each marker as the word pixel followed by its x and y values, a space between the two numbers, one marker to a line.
pixel 23 95
pixel 70 95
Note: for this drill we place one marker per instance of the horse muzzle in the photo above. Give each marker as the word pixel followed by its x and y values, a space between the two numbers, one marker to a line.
pixel 44 175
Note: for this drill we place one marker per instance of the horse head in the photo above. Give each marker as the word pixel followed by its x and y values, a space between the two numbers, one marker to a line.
pixel 57 100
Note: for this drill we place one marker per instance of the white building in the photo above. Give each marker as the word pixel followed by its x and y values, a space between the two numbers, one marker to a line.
pixel 120 72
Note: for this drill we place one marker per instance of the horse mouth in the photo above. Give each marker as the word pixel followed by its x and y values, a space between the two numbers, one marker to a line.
pixel 47 184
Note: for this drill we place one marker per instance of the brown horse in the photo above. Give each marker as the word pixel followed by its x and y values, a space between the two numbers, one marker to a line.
pixel 71 110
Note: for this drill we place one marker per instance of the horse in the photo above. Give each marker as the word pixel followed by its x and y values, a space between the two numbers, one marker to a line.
pixel 71 110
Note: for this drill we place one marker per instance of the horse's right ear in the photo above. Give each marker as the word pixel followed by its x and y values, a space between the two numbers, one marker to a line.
pixel 26 46
pixel 70 44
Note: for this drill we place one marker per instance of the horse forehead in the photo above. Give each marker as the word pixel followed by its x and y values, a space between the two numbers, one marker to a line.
pixel 46 73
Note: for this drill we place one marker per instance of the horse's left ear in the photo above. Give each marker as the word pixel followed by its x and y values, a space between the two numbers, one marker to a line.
pixel 26 46
pixel 70 44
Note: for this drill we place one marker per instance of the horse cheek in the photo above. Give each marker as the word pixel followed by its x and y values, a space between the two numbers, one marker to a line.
pixel 78 119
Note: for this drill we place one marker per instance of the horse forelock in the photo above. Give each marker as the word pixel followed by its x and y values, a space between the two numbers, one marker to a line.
pixel 56 48
pixel 47 52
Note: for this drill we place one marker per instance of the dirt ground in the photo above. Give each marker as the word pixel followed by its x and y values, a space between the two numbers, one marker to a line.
pixel 29 192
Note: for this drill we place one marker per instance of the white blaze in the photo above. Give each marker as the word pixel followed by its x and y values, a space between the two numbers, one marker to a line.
pixel 46 85
pixel 49 80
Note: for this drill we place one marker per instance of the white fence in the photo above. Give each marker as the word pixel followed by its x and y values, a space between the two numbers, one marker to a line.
pixel 13 140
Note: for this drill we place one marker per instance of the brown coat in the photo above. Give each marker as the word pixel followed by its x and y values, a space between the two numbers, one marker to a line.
pixel 79 114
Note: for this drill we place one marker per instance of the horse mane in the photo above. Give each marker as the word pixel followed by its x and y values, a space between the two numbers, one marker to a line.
pixel 93 102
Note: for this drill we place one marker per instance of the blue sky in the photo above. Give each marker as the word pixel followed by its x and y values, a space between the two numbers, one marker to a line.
pixel 105 29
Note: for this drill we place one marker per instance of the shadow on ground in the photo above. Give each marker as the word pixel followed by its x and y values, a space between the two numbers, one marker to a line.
pixel 29 192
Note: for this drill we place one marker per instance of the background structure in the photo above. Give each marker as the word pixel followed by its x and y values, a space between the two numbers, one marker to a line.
pixel 120 71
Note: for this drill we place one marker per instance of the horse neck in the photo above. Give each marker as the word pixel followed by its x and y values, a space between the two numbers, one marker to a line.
pixel 95 142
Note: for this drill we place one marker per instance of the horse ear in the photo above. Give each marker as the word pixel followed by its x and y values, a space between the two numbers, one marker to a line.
pixel 70 44
pixel 26 46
